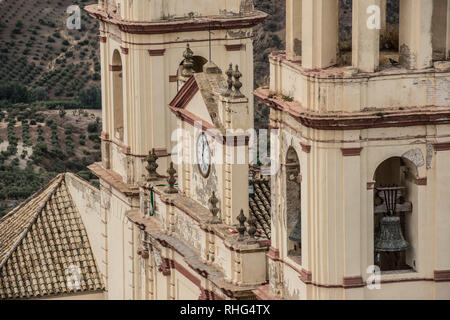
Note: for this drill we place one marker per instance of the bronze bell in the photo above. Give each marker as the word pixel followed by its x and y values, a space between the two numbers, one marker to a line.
pixel 390 237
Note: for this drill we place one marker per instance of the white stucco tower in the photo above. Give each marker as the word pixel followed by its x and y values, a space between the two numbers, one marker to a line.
pixel 142 47
pixel 362 112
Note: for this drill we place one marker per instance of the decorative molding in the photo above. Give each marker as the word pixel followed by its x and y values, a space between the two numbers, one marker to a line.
pixel 234 47
pixel 305 276
pixel 364 120
pixel 102 39
pixel 124 50
pixel 371 185
pixel 442 146
pixel 156 52
pixel 353 282
pixel 274 253
pixel 305 148
pixel 187 274
pixel 263 293
pixel 126 150
pixel 104 135
pixel 351 152
pixel 173 78
pixel 165 267
pixel 200 24
pixel 115 68
pixel 185 94
pixel 192 119
pixel 143 253
pixel 422 181
pixel 441 275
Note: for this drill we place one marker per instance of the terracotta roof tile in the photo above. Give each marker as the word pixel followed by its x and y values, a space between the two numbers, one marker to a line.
pixel 40 242
pixel 260 206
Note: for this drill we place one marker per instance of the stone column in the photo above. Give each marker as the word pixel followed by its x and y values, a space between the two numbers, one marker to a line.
pixel 351 209
pixel 319 33
pixel 416 50
pixel 366 35
pixel 442 203
pixel 294 29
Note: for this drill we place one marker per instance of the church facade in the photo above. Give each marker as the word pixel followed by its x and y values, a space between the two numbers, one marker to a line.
pixel 157 81
pixel 356 204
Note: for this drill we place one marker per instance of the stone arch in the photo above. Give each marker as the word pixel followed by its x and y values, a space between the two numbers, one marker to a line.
pixel 293 204
pixel 117 88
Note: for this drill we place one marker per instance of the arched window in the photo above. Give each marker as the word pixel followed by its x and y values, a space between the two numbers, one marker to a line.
pixel 293 205
pixel 345 32
pixel 389 33
pixel 441 50
pixel 395 220
pixel 117 84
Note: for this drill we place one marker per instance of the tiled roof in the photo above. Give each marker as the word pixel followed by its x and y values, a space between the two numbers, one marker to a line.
pixel 260 205
pixel 41 243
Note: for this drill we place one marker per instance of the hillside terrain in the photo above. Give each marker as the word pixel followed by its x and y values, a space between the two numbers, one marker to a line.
pixel 50 79
pixel 38 50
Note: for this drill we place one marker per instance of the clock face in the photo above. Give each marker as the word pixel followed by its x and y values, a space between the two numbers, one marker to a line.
pixel 203 155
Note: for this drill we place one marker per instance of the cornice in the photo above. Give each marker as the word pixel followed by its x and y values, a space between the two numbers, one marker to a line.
pixel 199 24
pixel 431 115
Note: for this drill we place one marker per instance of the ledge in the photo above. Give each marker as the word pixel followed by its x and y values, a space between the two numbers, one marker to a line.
pixel 192 258
pixel 114 180
pixel 202 216
pixel 400 117
pixel 349 72
pixel 181 25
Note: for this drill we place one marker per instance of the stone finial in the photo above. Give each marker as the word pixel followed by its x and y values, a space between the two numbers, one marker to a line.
pixel 252 228
pixel 152 166
pixel 237 85
pixel 171 180
pixel 214 210
pixel 241 228
pixel 229 74
pixel 188 63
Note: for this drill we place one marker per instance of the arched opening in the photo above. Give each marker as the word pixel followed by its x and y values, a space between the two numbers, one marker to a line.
pixel 389 15
pixel 293 205
pixel 117 82
pixel 390 32
pixel 440 30
pixel 345 32
pixel 395 218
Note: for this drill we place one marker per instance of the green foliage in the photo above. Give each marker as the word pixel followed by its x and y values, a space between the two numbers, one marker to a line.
pixel 93 127
pixel 91 97
pixel 14 92
pixel 16 183
pixel 39 94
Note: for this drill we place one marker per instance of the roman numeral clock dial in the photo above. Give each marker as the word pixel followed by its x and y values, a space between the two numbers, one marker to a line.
pixel 203 155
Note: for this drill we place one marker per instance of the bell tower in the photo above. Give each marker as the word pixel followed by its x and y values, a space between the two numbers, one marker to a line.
pixel 360 101
pixel 143 44
pixel 149 49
